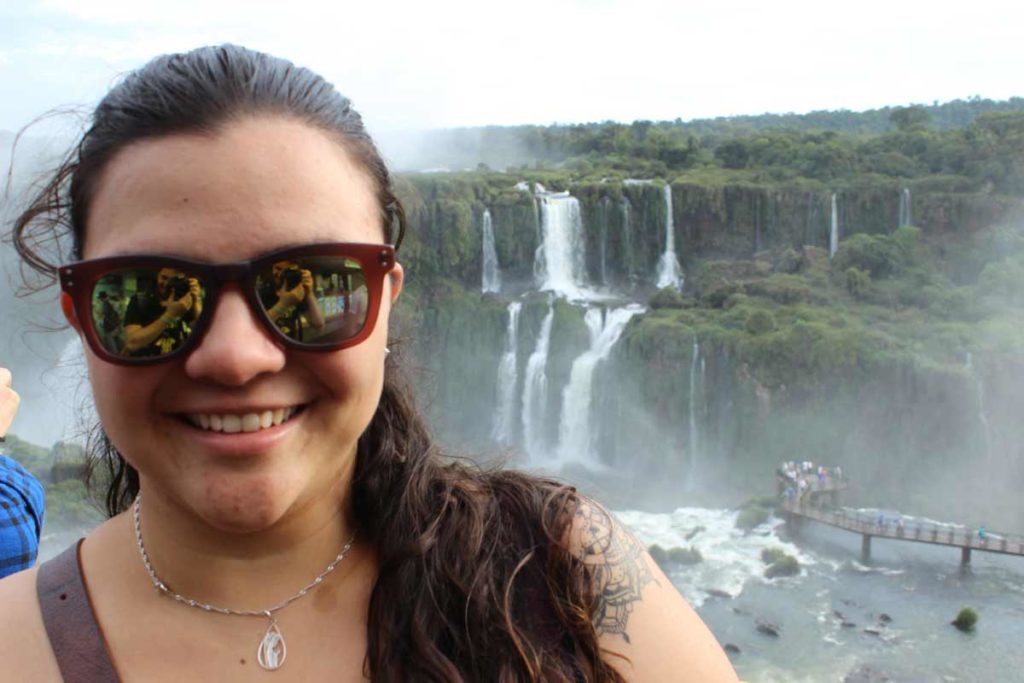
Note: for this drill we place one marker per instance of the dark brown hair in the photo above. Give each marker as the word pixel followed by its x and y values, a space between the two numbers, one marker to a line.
pixel 476 580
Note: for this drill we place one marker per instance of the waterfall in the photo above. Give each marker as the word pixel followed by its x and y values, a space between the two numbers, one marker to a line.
pixel 605 203
pixel 559 263
pixel 669 272
pixel 535 391
pixel 905 218
pixel 627 239
pixel 979 395
pixel 504 414
pixel 833 232
pixel 575 435
pixel 694 445
pixel 491 273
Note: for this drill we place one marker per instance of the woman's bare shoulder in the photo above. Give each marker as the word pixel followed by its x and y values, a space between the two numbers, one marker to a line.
pixel 643 623
pixel 27 653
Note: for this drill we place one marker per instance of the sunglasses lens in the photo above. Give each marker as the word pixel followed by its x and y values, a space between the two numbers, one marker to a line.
pixel 317 300
pixel 144 312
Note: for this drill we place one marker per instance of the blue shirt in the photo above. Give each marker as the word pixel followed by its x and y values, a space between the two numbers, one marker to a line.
pixel 21 517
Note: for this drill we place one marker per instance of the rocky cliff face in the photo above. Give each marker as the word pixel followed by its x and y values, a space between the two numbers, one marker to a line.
pixel 768 354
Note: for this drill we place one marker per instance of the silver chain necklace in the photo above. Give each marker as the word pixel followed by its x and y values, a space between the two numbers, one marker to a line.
pixel 272 650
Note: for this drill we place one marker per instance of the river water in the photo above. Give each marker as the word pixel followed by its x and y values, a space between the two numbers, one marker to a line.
pixel 920 587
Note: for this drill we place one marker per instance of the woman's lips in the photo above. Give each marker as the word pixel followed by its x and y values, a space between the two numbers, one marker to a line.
pixel 232 423
pixel 223 441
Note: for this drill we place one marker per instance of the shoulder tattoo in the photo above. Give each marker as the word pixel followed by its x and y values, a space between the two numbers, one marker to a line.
pixel 616 563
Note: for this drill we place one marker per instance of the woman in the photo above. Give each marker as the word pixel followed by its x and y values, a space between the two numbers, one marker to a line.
pixel 277 503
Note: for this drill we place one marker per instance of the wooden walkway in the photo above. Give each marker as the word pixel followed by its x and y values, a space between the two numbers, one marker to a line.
pixel 892 526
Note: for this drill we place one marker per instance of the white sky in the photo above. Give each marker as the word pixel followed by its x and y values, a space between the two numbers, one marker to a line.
pixel 433 63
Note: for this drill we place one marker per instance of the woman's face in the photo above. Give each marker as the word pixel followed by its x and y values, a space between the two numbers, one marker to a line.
pixel 257 185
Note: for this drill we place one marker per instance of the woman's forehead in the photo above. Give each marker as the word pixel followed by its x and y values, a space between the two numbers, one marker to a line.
pixel 255 185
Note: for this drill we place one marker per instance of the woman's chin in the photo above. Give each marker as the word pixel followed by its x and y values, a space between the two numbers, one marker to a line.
pixel 248 508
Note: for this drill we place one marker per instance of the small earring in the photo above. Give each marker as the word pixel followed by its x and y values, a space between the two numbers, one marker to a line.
pixel 387 352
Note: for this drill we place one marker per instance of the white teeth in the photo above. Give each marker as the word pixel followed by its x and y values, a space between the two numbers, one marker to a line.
pixel 249 422
pixel 232 424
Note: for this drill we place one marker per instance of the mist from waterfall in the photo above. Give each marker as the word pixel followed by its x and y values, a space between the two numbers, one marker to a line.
pixel 491 272
pixel 833 232
pixel 979 396
pixel 575 434
pixel 669 270
pixel 535 391
pixel 505 413
pixel 693 448
pixel 559 262
pixel 905 217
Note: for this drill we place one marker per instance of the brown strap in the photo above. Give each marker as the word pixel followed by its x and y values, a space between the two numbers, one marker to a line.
pixel 70 623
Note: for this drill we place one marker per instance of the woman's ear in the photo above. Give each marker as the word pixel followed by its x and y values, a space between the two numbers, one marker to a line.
pixel 397 276
pixel 68 307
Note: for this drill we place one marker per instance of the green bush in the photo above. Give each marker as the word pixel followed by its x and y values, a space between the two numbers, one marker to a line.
pixel 966 619
pixel 787 565
pixel 858 282
pixel 760 322
pixel 751 517
pixel 668 298
pixel 772 555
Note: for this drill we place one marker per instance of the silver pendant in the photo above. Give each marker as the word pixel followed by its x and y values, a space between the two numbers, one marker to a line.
pixel 272 650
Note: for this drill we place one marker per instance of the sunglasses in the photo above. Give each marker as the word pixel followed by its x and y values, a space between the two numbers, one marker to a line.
pixel 140 310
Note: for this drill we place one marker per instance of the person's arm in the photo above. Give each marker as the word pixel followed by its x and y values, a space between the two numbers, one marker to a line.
pixel 646 629
pixel 9 402
pixel 313 312
pixel 138 336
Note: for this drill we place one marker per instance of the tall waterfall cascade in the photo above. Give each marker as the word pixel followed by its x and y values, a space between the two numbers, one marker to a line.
pixel 979 396
pixel 559 265
pixel 535 391
pixel 491 272
pixel 693 448
pixel 833 232
pixel 504 415
pixel 575 433
pixel 669 270
pixel 905 217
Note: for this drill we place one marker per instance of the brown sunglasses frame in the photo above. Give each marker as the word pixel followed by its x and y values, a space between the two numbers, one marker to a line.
pixel 78 279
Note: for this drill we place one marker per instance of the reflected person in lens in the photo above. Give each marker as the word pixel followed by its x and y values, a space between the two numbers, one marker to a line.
pixel 161 313
pixel 296 310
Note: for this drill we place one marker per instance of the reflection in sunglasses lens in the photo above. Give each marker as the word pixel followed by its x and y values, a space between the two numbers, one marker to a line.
pixel 316 299
pixel 145 312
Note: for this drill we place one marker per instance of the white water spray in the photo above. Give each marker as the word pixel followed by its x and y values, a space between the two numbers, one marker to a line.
pixel 504 414
pixel 905 218
pixel 535 391
pixel 694 446
pixel 575 435
pixel 559 266
pixel 491 272
pixel 669 271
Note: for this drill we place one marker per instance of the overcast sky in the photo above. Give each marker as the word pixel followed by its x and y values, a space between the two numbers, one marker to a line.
pixel 425 64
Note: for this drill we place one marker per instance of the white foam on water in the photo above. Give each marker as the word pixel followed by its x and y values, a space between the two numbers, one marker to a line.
pixel 732 558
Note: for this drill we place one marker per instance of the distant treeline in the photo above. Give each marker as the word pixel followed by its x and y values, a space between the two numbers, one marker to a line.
pixel 978 139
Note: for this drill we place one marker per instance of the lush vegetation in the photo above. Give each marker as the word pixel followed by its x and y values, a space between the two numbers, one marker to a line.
pixel 59 469
pixel 978 140
pixel 966 620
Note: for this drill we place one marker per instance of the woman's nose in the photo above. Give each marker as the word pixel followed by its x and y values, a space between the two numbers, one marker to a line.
pixel 236 347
